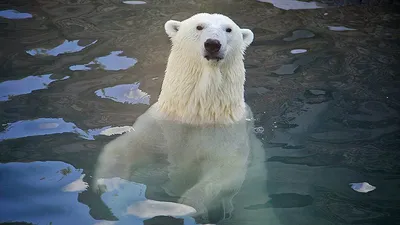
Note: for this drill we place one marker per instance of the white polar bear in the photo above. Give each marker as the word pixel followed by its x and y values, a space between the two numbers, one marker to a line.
pixel 194 142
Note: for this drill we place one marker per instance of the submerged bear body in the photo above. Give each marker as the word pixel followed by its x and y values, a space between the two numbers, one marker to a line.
pixel 194 144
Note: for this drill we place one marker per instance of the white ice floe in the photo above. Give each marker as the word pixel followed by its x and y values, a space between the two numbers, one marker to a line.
pixel 363 187
pixel 298 51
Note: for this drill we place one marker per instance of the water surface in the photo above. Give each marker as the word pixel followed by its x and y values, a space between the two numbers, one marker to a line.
pixel 322 81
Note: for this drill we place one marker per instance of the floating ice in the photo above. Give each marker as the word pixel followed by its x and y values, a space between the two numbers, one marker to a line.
pixel 363 187
pixel 66 47
pixel 298 51
pixel 14 14
pixel 25 86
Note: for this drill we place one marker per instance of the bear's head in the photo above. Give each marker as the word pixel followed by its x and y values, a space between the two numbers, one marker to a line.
pixel 210 38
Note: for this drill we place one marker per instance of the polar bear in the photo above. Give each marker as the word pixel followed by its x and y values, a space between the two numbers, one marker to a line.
pixel 194 143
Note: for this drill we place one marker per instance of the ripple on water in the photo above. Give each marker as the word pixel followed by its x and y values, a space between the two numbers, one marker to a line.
pixel 297 122
pixel 36 187
pixel 293 4
pixel 289 69
pixel 286 69
pixel 113 61
pixel 125 93
pixel 374 111
pixel 299 34
pixel 25 86
pixel 48 126
pixel 284 200
pixel 14 14
pixel 66 47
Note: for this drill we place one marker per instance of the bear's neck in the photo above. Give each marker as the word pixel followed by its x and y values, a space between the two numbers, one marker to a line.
pixel 195 92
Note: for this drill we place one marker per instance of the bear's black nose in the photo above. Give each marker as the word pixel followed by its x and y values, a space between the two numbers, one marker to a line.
pixel 212 45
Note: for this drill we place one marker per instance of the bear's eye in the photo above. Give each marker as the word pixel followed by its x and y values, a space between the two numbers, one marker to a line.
pixel 199 27
pixel 228 30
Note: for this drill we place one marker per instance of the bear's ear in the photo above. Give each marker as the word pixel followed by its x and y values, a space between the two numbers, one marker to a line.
pixel 172 27
pixel 248 36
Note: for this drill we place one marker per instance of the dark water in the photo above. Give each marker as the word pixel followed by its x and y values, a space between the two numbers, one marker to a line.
pixel 73 69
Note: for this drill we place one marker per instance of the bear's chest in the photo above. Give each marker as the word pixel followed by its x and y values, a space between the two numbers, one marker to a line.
pixel 194 144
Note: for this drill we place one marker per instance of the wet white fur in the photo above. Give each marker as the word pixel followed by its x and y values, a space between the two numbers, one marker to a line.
pixel 198 91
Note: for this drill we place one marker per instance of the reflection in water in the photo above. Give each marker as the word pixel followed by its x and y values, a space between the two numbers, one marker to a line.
pixel 127 201
pixel 293 4
pixel 47 126
pixel 134 2
pixel 300 34
pixel 23 198
pixel 62 183
pixel 66 47
pixel 113 61
pixel 42 126
pixel 288 69
pixel 14 14
pixel 26 85
pixel 284 200
pixel 125 93
pixel 294 125
pixel 339 28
